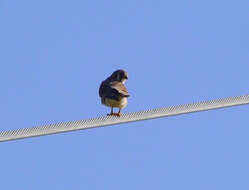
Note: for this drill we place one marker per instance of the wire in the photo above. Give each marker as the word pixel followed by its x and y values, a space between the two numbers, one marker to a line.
pixel 125 118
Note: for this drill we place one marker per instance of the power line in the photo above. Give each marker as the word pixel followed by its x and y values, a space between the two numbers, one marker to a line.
pixel 125 118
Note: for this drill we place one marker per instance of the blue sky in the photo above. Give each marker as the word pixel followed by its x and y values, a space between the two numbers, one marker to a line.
pixel 54 54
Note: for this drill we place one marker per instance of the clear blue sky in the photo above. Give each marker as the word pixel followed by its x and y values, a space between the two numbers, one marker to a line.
pixel 54 54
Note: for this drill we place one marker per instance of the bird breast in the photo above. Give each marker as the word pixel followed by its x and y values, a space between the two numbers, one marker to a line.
pixel 114 103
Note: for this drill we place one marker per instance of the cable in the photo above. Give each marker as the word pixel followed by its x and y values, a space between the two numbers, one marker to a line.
pixel 125 118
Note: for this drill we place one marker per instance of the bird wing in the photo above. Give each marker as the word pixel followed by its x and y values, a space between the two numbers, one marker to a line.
pixel 113 90
pixel 120 87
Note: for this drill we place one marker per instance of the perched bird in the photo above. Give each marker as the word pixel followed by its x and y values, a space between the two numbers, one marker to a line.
pixel 113 92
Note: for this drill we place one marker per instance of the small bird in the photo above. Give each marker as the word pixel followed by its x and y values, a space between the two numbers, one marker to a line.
pixel 113 92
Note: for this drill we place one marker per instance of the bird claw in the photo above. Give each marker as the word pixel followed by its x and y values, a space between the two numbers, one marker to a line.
pixel 114 114
pixel 117 114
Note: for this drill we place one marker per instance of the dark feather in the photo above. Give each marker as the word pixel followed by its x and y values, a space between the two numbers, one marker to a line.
pixel 112 90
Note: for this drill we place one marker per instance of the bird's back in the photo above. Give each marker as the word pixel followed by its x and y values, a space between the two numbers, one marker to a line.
pixel 114 90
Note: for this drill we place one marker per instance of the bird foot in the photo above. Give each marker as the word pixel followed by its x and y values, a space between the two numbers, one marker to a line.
pixel 114 114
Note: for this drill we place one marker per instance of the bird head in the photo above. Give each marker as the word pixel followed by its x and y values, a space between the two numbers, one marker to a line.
pixel 119 75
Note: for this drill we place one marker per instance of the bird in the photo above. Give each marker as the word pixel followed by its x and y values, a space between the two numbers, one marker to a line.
pixel 113 92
